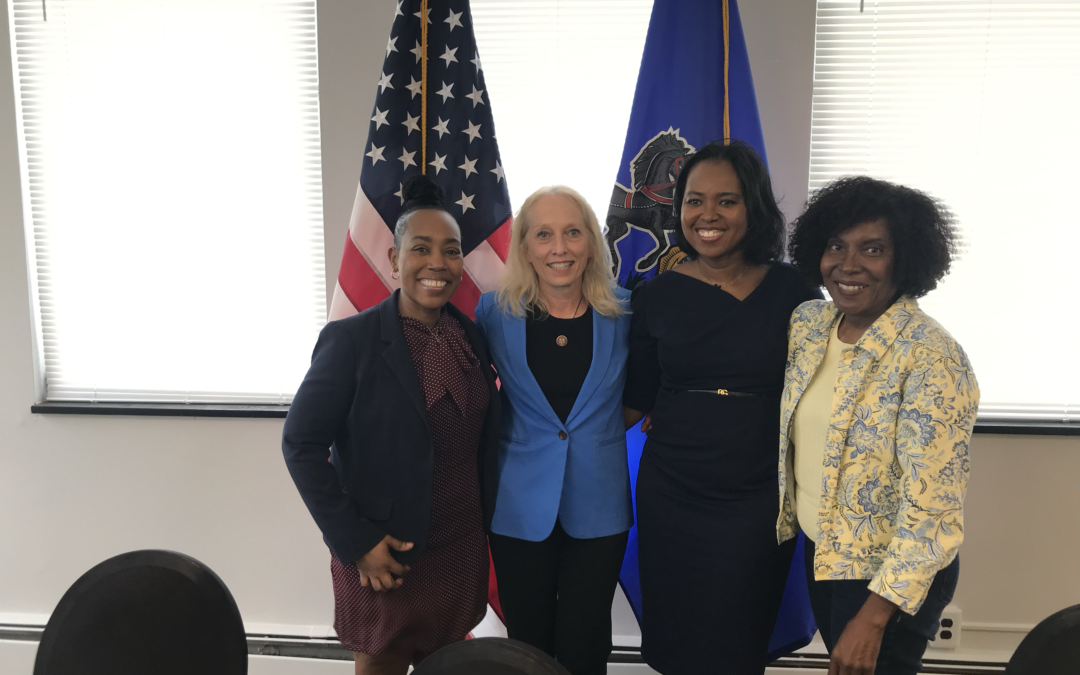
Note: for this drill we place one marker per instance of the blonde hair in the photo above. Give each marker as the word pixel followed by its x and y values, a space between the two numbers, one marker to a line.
pixel 519 288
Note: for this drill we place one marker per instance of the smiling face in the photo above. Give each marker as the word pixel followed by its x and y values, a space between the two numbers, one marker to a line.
pixel 429 263
pixel 857 267
pixel 713 213
pixel 557 245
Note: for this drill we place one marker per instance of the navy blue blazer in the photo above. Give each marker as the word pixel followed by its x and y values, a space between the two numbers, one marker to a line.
pixel 576 472
pixel 361 403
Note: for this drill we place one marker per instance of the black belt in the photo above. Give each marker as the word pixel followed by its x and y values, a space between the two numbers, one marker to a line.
pixel 716 392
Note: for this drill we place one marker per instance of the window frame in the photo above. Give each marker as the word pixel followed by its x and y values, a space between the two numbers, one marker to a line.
pixel 294 31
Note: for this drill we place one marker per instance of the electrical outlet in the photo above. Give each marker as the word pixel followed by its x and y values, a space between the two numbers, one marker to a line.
pixel 948 634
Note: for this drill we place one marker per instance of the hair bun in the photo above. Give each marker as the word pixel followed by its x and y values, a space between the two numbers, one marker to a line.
pixel 421 192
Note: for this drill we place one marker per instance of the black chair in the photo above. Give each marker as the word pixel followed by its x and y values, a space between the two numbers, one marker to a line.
pixel 145 612
pixel 1051 648
pixel 490 656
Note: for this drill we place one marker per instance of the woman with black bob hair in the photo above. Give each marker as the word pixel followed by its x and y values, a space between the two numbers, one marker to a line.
pixel 402 399
pixel 877 411
pixel 764 241
pixel 707 349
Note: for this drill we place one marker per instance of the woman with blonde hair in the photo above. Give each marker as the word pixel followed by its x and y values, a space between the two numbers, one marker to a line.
pixel 558 330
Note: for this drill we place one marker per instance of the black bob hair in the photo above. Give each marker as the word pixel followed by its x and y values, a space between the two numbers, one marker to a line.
pixel 764 240
pixel 922 229
pixel 418 192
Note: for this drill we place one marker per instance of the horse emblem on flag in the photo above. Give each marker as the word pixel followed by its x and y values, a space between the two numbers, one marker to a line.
pixel 647 206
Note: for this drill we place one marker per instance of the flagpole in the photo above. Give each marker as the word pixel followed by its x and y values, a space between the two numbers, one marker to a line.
pixel 727 109
pixel 423 86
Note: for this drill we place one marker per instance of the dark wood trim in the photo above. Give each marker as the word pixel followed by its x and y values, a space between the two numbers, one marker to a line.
pixel 331 649
pixel 1028 428
pixel 161 409
pixel 820 663
pixel 279 412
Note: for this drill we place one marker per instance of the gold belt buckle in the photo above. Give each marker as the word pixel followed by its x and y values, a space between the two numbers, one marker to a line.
pixel 722 392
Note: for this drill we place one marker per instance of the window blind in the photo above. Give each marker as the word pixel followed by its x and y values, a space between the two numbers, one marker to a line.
pixel 973 101
pixel 172 189
pixel 561 77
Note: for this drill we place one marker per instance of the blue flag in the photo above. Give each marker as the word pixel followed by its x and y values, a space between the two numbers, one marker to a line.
pixel 692 88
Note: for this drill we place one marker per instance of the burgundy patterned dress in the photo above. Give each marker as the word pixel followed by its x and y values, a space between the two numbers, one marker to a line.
pixel 445 594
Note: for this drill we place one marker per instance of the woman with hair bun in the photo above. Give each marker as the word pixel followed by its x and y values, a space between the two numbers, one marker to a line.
pixel 402 399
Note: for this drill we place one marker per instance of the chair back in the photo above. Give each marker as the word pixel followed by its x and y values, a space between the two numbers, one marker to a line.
pixel 490 656
pixel 145 612
pixel 1051 648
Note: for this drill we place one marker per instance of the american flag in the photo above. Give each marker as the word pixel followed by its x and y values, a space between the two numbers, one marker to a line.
pixel 432 114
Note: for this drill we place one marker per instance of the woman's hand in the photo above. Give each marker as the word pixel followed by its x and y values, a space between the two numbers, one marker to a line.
pixel 856 651
pixel 379 569
pixel 631 416
pixel 646 424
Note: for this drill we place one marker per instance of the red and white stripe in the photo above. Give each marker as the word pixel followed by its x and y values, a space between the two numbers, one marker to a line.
pixel 365 280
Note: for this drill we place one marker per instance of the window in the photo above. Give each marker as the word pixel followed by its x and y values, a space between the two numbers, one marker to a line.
pixel 561 77
pixel 974 102
pixel 172 190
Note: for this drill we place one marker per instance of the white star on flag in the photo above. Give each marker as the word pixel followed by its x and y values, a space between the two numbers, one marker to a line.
pixel 441 127
pixel 398 12
pixel 439 163
pixel 445 91
pixel 417 15
pixel 414 87
pixel 390 45
pixel 477 96
pixel 400 188
pixel 498 171
pixel 454 20
pixel 469 166
pixel 376 154
pixel 473 132
pixel 465 202
pixel 476 61
pixel 380 117
pixel 406 159
pixel 449 57
pixel 418 51
pixel 384 82
pixel 410 123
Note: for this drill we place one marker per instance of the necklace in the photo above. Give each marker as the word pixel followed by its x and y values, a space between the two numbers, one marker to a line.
pixel 718 285
pixel 562 340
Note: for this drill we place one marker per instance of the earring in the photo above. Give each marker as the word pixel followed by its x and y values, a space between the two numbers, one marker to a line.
pixel 394 276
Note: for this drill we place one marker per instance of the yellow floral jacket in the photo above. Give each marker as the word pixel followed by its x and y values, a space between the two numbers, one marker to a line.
pixel 896 454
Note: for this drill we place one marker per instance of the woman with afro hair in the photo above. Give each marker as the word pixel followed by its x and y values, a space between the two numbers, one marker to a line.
pixel 877 411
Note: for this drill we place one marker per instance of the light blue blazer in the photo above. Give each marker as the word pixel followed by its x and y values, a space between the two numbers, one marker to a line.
pixel 582 480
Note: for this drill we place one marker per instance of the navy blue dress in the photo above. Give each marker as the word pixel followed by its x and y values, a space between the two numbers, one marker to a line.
pixel 712 574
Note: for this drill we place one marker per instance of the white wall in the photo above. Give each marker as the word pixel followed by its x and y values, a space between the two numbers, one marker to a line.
pixel 75 490
pixel 352 43
pixel 780 42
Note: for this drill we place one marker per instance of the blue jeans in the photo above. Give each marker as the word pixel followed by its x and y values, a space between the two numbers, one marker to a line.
pixel 837 601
